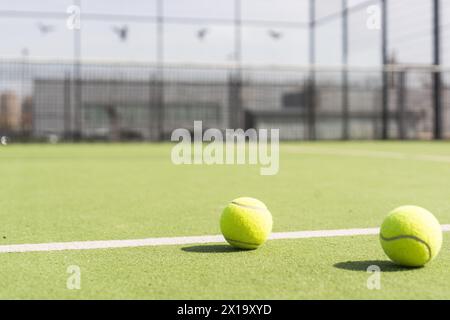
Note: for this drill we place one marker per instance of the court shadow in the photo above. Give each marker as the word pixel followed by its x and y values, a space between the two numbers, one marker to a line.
pixel 384 265
pixel 218 248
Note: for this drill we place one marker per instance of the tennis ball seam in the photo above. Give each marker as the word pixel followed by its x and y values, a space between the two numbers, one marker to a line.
pixel 412 238
pixel 248 207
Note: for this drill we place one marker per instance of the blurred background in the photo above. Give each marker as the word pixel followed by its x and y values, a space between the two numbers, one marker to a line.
pixel 111 70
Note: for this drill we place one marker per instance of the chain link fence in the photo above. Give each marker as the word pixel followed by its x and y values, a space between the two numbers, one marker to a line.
pixel 45 100
pixel 401 93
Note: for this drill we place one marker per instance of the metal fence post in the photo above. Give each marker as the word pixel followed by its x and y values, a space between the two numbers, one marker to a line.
pixel 78 94
pixel 67 106
pixel 160 68
pixel 401 105
pixel 437 85
pixel 345 104
pixel 237 84
pixel 152 106
pixel 385 77
pixel 234 102
pixel 312 74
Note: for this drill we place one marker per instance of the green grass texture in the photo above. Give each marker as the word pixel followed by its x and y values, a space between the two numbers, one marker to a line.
pixel 62 192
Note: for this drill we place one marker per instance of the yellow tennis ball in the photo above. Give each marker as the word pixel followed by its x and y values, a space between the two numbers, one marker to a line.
pixel 246 223
pixel 411 236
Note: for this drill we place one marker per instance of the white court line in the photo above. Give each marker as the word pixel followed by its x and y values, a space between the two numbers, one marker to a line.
pixel 369 154
pixel 108 244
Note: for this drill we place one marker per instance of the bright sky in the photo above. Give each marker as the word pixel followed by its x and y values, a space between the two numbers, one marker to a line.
pixel 409 20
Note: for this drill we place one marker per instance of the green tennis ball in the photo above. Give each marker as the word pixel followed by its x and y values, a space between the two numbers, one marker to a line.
pixel 246 223
pixel 411 236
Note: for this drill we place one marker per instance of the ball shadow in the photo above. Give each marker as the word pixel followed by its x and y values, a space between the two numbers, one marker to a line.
pixel 384 265
pixel 219 248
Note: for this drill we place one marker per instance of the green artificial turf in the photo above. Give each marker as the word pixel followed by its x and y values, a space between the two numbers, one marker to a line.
pixel 54 193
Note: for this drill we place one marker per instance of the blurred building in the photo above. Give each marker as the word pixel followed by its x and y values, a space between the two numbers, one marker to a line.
pixel 120 110
pixel 10 111
pixel 123 110
pixel 27 115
